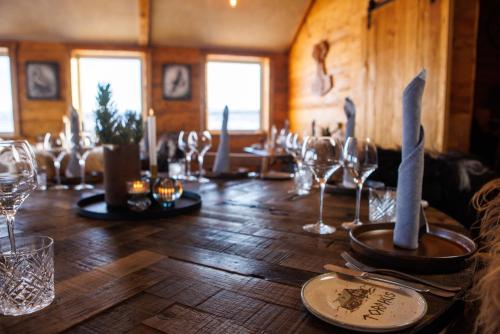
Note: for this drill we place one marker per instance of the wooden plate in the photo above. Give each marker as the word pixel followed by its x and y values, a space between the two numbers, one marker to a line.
pixel 95 207
pixel 441 250
pixel 362 305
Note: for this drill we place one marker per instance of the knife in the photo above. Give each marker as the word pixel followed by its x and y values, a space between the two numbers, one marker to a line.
pixel 387 279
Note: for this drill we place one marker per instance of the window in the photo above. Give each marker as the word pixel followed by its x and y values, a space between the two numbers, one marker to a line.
pixel 122 70
pixel 241 84
pixel 6 106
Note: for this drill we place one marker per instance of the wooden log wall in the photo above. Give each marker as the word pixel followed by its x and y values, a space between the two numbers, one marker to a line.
pixel 40 116
pixel 373 65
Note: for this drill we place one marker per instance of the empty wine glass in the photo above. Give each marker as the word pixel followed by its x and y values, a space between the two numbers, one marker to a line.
pixel 323 156
pixel 200 143
pixel 86 144
pixel 359 160
pixel 293 146
pixel 56 147
pixel 17 180
pixel 188 152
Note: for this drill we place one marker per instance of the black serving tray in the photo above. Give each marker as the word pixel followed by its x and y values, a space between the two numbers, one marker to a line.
pixel 95 207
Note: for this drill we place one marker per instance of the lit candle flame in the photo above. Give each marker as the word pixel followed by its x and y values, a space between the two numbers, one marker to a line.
pixel 233 3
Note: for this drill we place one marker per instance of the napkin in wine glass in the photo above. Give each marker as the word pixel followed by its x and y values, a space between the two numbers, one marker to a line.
pixel 350 114
pixel 222 163
pixel 411 169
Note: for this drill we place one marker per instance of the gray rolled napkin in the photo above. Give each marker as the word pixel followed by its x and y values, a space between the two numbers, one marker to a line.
pixel 411 169
pixel 73 168
pixel 222 162
pixel 350 114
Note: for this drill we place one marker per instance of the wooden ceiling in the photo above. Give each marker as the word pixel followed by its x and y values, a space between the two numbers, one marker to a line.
pixel 254 24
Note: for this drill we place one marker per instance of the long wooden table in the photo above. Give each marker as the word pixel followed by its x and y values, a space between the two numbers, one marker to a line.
pixel 235 266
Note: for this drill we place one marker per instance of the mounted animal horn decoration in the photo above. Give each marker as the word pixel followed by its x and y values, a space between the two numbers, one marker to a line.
pixel 324 81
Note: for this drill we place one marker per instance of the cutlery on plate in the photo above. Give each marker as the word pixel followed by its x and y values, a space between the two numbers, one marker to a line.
pixel 391 280
pixel 366 268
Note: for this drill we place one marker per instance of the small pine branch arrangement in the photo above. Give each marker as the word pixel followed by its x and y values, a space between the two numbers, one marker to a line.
pixel 111 128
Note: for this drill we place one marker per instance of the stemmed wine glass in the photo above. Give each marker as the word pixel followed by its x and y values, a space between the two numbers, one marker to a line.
pixel 57 149
pixel 86 145
pixel 188 152
pixel 293 146
pixel 323 156
pixel 17 180
pixel 200 143
pixel 359 160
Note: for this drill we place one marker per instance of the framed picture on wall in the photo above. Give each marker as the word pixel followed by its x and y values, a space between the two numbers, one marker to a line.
pixel 42 80
pixel 177 82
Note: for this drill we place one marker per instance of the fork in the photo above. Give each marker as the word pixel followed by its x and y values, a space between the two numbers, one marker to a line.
pixel 363 267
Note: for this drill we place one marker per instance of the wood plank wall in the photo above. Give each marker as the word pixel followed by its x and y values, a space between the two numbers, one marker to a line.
pixel 373 66
pixel 40 116
pixel 463 73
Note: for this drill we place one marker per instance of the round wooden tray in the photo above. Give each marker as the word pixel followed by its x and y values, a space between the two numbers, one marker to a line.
pixel 441 250
pixel 95 207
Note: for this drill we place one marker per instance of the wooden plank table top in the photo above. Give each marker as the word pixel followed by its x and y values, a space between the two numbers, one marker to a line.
pixel 234 266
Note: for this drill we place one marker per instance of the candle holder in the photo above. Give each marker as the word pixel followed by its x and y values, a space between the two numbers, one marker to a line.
pixel 166 191
pixel 138 191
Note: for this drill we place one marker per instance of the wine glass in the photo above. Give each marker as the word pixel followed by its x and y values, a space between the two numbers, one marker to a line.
pixel 293 146
pixel 323 156
pixel 17 180
pixel 86 144
pixel 188 151
pixel 57 149
pixel 200 143
pixel 359 160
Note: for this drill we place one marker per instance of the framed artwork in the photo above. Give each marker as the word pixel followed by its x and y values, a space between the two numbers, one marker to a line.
pixel 177 82
pixel 42 80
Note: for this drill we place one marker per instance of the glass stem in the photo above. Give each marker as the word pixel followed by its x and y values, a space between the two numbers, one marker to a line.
pixel 57 166
pixel 200 162
pixel 188 162
pixel 82 170
pixel 322 184
pixel 359 187
pixel 10 230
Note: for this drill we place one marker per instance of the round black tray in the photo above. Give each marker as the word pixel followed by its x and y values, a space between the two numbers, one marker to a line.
pixel 95 207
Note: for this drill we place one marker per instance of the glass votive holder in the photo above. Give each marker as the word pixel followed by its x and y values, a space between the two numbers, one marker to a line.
pixel 382 205
pixel 177 168
pixel 166 191
pixel 26 276
pixel 303 180
pixel 138 191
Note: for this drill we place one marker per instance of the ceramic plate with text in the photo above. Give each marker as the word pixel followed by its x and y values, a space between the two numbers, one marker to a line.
pixel 362 305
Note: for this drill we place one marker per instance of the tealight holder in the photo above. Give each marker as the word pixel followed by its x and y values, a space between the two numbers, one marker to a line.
pixel 166 191
pixel 138 191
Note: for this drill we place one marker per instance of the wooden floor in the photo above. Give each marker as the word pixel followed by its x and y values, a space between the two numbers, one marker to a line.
pixel 236 266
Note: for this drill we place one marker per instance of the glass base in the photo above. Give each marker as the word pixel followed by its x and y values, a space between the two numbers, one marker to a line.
pixel 191 178
pixel 59 187
pixel 203 180
pixel 319 228
pixel 351 225
pixel 84 186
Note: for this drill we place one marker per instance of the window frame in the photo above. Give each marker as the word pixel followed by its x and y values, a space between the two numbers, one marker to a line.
pixel 76 54
pixel 265 113
pixel 9 49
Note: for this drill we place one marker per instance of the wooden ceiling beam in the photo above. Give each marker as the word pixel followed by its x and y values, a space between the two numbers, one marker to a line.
pixel 144 22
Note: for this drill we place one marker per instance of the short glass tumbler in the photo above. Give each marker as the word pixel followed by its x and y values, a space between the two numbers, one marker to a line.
pixel 303 180
pixel 382 205
pixel 27 276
